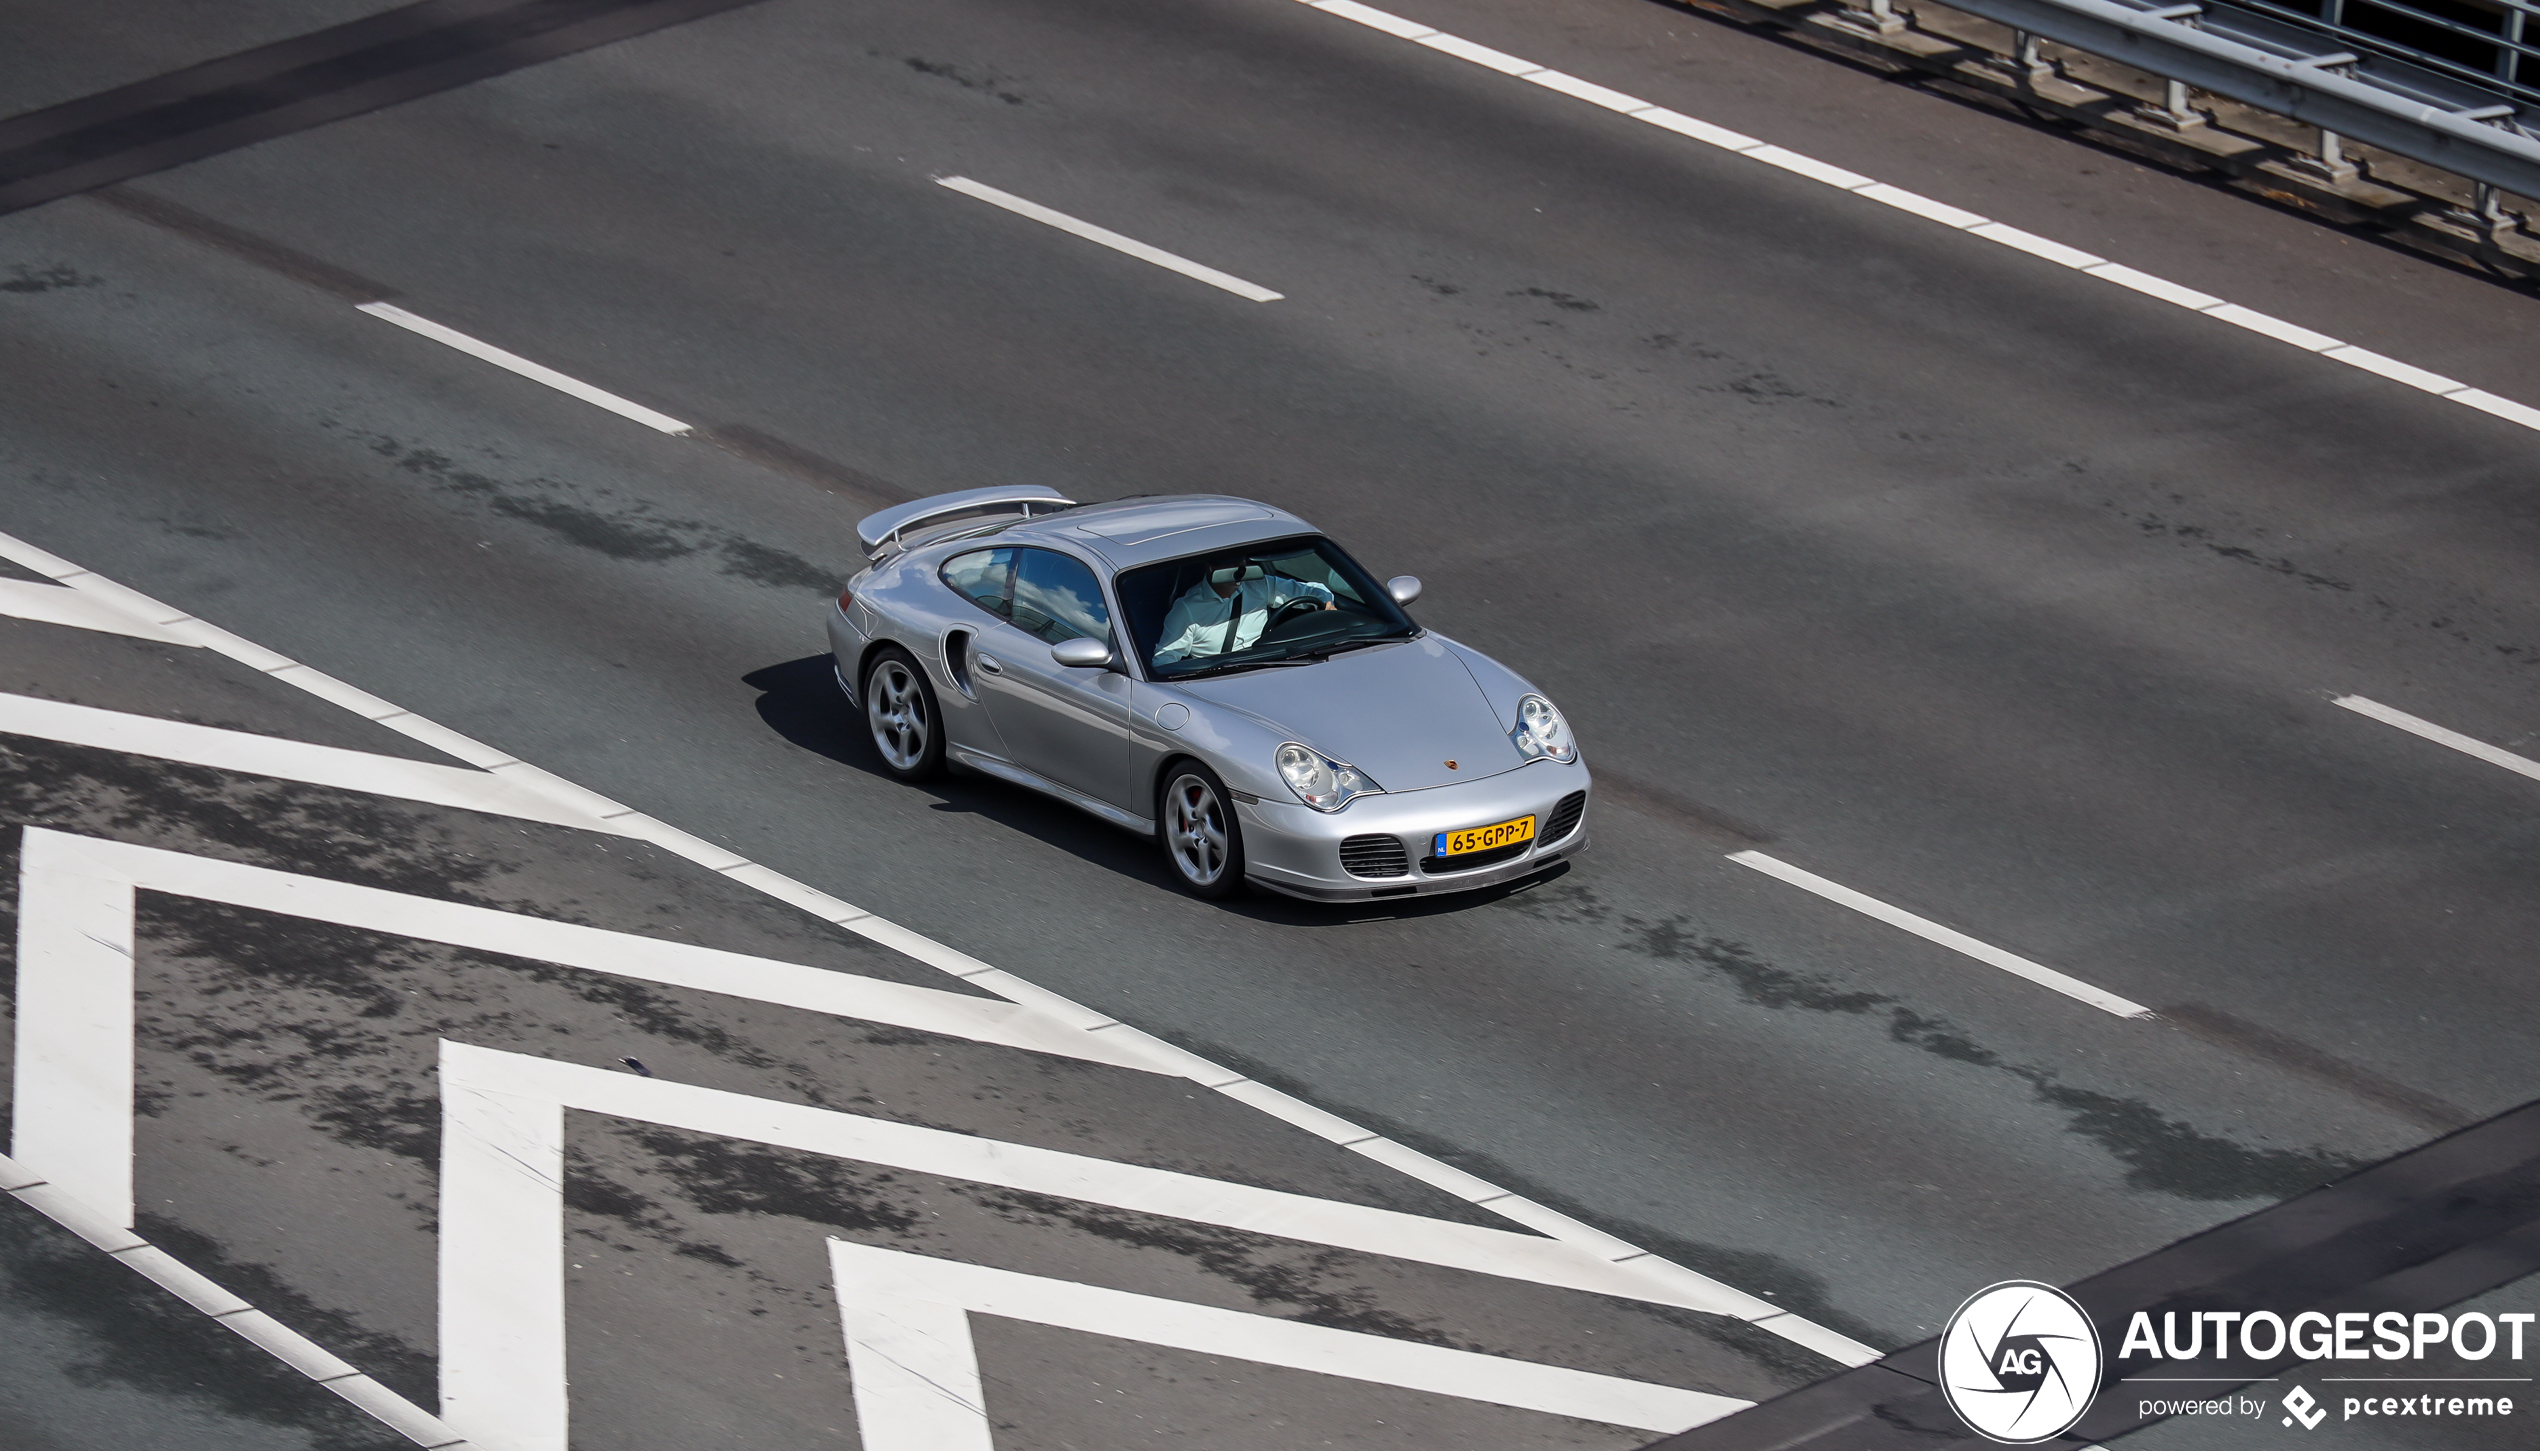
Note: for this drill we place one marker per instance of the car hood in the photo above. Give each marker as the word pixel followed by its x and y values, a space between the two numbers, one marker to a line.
pixel 1397 712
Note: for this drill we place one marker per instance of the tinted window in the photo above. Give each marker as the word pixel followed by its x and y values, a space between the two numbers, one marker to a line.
pixel 1056 598
pixel 1255 605
pixel 982 577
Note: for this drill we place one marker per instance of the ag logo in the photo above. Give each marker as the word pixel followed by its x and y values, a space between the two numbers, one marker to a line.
pixel 2019 1362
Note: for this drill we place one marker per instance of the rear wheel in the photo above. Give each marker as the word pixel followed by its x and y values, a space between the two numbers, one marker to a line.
pixel 1196 823
pixel 899 708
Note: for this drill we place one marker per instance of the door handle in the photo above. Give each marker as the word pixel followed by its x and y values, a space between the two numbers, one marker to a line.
pixel 989 663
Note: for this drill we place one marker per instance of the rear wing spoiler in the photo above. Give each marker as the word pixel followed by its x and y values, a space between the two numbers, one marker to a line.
pixel 877 532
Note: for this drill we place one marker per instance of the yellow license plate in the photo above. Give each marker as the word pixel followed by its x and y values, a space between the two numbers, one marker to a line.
pixel 1484 838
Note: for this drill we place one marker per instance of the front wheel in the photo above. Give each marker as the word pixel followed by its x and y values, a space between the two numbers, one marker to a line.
pixel 1201 838
pixel 899 707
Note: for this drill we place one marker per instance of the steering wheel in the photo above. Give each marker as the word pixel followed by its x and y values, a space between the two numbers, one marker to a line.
pixel 1296 608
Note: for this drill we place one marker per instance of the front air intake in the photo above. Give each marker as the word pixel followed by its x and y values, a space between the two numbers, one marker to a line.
pixel 1375 856
pixel 1565 817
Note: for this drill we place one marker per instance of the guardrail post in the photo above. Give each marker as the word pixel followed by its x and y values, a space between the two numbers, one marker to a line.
pixel 2174 112
pixel 1880 18
pixel 2331 162
pixel 2027 66
pixel 2487 213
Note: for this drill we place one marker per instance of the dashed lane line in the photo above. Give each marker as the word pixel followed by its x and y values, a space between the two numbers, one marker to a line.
pixel 1666 1278
pixel 1105 237
pixel 2466 745
pixel 535 372
pixel 1955 941
pixel 2087 263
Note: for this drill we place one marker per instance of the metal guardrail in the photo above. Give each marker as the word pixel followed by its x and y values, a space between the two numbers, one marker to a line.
pixel 2496 49
pixel 2458 118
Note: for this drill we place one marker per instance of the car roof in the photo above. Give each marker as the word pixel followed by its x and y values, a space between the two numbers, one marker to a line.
pixel 1126 533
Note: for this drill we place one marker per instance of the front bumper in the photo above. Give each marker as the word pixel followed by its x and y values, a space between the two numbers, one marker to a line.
pixel 1294 849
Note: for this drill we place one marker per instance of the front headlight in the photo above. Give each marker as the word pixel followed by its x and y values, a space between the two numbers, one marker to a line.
pixel 1541 733
pixel 1319 781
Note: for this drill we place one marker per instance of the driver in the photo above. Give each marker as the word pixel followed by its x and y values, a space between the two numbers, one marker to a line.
pixel 1228 609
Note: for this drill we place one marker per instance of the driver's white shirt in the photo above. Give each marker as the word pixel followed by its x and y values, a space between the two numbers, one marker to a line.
pixel 1198 623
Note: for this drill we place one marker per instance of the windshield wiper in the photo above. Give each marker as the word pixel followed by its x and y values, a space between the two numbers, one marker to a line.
pixel 1233 665
pixel 1303 657
pixel 1361 643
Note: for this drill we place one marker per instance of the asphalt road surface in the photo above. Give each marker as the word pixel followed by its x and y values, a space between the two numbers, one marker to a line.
pixel 2013 600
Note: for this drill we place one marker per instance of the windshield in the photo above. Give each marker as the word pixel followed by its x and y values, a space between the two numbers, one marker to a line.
pixel 1260 604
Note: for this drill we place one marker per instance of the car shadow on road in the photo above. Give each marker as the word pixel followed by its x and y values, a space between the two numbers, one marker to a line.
pixel 800 701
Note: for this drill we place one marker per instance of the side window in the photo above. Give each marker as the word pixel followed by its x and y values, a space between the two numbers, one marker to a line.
pixel 982 577
pixel 1056 598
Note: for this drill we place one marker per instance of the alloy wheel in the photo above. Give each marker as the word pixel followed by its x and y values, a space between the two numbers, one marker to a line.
pixel 1195 830
pixel 896 709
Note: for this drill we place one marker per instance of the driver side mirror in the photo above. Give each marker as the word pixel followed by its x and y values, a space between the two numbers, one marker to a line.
pixel 1083 653
pixel 1404 588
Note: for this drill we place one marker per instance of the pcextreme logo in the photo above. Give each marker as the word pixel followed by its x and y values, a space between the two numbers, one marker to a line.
pixel 2019 1362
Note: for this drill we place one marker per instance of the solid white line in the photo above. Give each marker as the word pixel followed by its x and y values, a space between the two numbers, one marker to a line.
pixel 71 1099
pixel 907 1282
pixel 54 604
pixel 190 1285
pixel 1500 1253
pixel 1107 238
pixel 2072 987
pixel 288 760
pixel 501 1266
pixel 911 1363
pixel 75 979
pixel 1948 216
pixel 73 1088
pixel 536 372
pixel 2466 745
pixel 503 1325
pixel 1658 1276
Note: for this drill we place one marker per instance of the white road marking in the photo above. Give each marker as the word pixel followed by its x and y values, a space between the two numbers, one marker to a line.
pixel 1955 941
pixel 502 1217
pixel 501 1266
pixel 54 604
pixel 2466 745
pixel 912 1364
pixel 259 1329
pixel 1660 1276
pixel 73 1094
pixel 535 372
pixel 916 1370
pixel 1835 176
pixel 289 760
pixel 1107 238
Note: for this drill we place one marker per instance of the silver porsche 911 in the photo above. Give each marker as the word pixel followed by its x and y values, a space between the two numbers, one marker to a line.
pixel 1214 673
